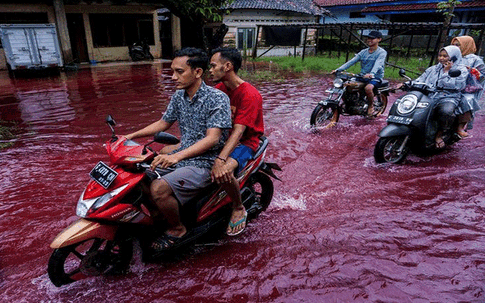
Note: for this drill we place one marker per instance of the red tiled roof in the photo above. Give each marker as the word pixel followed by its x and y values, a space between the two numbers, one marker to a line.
pixel 299 6
pixel 418 7
pixel 326 3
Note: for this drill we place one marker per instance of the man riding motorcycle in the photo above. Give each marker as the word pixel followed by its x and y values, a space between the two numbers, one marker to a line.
pixel 372 67
pixel 203 114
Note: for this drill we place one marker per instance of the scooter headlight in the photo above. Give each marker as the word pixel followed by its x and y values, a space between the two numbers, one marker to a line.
pixel 83 206
pixel 337 83
pixel 407 104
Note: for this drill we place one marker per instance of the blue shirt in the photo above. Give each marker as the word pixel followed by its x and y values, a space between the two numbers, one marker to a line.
pixel 209 108
pixel 370 63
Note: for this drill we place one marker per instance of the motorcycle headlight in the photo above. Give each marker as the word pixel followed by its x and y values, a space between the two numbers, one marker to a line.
pixel 337 83
pixel 407 104
pixel 83 206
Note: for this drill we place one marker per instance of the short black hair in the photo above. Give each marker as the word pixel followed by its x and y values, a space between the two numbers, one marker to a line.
pixel 197 57
pixel 230 54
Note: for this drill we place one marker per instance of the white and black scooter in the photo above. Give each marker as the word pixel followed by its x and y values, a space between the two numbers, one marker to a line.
pixel 410 124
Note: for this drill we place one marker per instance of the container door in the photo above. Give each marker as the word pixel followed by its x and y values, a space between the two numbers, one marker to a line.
pixel 18 47
pixel 45 41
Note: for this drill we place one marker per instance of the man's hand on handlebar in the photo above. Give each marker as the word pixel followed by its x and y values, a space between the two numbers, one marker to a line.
pixel 164 161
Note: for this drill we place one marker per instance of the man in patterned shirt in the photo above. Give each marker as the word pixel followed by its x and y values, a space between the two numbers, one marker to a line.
pixel 204 117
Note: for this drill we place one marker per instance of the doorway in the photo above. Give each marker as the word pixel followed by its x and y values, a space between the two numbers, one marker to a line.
pixel 77 35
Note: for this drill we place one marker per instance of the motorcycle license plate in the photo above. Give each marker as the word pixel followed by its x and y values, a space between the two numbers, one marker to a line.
pixel 103 174
pixel 400 120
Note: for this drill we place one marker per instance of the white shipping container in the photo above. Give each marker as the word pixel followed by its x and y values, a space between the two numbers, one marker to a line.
pixel 31 46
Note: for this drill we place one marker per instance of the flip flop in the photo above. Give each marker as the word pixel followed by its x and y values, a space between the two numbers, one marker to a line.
pixel 440 144
pixel 233 225
pixel 463 135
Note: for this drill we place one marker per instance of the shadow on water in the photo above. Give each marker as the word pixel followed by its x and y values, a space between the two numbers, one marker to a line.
pixel 340 227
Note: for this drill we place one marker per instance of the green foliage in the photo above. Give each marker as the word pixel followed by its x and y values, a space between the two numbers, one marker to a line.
pixel 7 132
pixel 198 10
pixel 447 7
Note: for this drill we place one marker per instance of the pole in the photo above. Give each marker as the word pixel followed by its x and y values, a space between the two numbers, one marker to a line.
pixel 304 44
pixel 62 31
pixel 348 44
pixel 255 47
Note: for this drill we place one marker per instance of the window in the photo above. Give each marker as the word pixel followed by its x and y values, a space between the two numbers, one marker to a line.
pixel 121 30
pixel 356 15
pixel 245 38
pixel 22 18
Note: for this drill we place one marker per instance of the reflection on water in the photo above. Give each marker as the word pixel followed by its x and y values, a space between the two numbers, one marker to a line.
pixel 340 227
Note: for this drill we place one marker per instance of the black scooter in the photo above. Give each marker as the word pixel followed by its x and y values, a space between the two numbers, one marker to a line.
pixel 410 124
pixel 140 51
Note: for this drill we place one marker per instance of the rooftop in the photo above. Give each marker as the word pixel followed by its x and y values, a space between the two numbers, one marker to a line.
pixel 421 7
pixel 327 3
pixel 298 6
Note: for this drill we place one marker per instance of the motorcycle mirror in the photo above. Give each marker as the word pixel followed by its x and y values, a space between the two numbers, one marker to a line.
pixel 454 73
pixel 110 121
pixel 161 137
pixel 165 138
pixel 402 72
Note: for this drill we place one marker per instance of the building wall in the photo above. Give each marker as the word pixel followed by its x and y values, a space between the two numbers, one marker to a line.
pixel 252 18
pixel 343 15
pixel 100 54
pixel 95 53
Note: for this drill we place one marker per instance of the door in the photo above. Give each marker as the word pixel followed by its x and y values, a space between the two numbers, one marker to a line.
pixel 245 38
pixel 77 35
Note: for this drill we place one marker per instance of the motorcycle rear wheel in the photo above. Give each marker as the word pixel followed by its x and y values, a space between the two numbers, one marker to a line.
pixel 92 257
pixel 324 116
pixel 387 150
pixel 261 186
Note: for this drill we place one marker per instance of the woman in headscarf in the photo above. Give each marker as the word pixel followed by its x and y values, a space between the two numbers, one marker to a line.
pixel 449 96
pixel 468 105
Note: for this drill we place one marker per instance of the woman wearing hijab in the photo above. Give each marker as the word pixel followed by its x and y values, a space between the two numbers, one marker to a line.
pixel 450 94
pixel 476 67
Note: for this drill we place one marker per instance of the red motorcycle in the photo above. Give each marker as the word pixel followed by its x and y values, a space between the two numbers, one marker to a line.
pixel 115 210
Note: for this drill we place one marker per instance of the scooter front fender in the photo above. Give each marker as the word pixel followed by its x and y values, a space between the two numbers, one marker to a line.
pixel 82 230
pixel 393 130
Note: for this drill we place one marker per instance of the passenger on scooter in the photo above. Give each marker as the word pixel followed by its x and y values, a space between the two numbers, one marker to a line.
pixel 372 60
pixel 204 116
pixel 248 126
pixel 473 90
pixel 437 77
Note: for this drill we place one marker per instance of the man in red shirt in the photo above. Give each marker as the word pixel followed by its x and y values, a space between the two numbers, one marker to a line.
pixel 248 126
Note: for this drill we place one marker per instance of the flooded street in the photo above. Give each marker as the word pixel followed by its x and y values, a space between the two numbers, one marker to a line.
pixel 340 227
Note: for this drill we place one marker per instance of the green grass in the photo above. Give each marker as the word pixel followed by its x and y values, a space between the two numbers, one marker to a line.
pixel 324 64
pixel 7 132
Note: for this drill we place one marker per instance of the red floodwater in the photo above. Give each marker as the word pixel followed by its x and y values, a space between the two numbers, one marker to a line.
pixel 340 228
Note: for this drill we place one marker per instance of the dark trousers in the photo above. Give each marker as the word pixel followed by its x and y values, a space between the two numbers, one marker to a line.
pixel 445 113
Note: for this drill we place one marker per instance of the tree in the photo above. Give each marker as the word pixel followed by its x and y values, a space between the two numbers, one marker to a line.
pixel 447 8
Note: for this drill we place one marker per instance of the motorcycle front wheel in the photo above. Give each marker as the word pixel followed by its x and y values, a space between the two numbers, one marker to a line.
pixel 261 189
pixel 381 104
pixel 324 116
pixel 92 257
pixel 389 150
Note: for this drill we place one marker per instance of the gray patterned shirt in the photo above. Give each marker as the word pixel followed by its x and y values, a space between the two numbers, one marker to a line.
pixel 209 108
